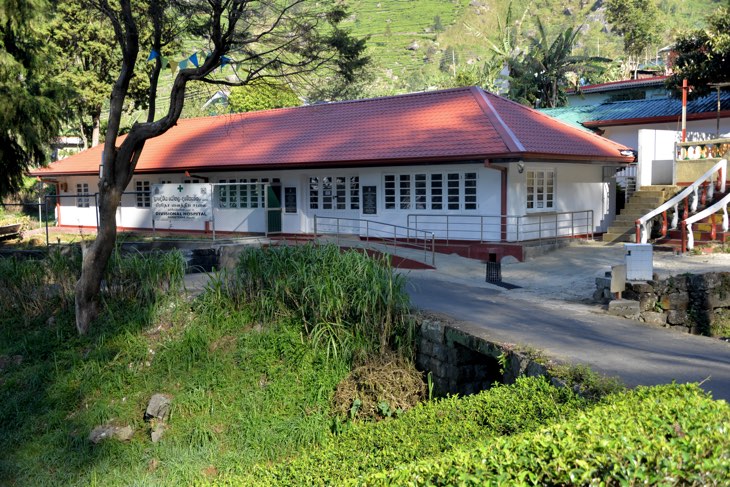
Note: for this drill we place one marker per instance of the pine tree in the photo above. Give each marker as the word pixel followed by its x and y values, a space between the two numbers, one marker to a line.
pixel 29 97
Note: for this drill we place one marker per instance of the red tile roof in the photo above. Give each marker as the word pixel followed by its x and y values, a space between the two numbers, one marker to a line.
pixel 456 124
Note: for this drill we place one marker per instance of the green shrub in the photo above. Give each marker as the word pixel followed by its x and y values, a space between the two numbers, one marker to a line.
pixel 673 434
pixel 426 430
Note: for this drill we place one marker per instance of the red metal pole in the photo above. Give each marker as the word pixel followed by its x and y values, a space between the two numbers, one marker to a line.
pixel 686 208
pixel 713 230
pixel 684 237
pixel 638 231
pixel 665 224
pixel 684 110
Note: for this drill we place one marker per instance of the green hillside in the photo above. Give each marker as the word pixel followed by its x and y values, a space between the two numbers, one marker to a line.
pixel 410 38
pixel 418 44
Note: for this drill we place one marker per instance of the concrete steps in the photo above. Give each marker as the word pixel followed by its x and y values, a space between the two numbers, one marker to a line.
pixel 623 229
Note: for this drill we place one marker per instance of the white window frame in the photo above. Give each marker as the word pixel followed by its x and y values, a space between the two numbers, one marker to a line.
pixel 241 194
pixel 82 195
pixel 142 193
pixel 540 189
pixel 435 191
pixel 334 192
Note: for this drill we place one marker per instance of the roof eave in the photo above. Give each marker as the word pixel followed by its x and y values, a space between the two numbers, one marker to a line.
pixel 350 164
pixel 662 119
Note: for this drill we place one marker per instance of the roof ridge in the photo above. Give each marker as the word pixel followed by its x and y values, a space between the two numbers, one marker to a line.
pixel 516 145
pixel 329 103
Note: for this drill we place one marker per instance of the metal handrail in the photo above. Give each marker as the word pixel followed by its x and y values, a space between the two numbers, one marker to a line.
pixel 642 232
pixel 688 240
pixel 407 237
pixel 510 228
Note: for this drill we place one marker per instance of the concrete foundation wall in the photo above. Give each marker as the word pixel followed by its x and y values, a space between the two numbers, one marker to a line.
pixel 461 363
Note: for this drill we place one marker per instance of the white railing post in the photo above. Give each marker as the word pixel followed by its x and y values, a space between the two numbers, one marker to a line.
pixel 690 237
pixel 695 199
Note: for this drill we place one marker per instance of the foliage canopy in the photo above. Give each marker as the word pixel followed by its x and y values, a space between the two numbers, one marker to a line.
pixel 29 96
pixel 703 55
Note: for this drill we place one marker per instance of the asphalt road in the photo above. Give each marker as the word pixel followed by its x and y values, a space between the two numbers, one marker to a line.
pixel 639 354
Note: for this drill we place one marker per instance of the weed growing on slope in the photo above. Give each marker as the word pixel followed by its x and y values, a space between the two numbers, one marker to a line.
pixel 345 300
pixel 241 393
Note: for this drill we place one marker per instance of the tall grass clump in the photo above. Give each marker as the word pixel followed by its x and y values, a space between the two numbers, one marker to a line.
pixel 143 278
pixel 346 301
pixel 33 288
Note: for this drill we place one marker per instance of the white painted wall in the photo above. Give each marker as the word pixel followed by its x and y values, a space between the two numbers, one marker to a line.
pixel 696 129
pixel 655 148
pixel 578 187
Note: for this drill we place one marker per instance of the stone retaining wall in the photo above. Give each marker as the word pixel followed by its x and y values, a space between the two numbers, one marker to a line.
pixel 690 302
pixel 465 364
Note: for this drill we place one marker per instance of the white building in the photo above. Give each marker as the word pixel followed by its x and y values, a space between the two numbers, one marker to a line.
pixel 464 164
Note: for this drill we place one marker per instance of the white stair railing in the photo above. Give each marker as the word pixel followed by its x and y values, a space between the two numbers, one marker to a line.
pixel 642 229
pixel 689 243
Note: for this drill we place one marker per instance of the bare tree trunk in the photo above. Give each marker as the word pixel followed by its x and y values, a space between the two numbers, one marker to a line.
pixel 84 139
pixel 92 272
pixel 96 129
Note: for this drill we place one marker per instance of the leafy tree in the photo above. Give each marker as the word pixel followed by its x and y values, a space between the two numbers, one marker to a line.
pixel 262 96
pixel 637 21
pixel 86 62
pixel 270 39
pixel 29 97
pixel 702 56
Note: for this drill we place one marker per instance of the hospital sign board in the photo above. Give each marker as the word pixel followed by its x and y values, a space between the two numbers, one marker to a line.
pixel 182 201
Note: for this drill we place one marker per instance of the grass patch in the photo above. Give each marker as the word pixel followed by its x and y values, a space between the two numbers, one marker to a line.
pixel 241 394
pixel 252 390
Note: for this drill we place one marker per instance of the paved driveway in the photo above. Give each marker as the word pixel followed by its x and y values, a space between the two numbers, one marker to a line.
pixel 551 313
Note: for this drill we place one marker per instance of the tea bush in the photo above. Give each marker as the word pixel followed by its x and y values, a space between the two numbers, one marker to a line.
pixel 427 430
pixel 673 434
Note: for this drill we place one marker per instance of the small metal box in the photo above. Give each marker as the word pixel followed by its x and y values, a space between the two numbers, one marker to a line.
pixel 639 262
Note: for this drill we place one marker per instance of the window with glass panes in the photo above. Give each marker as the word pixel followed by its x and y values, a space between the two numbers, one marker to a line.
pixel 242 193
pixel 142 189
pixel 540 189
pixel 334 192
pixel 82 195
pixel 435 191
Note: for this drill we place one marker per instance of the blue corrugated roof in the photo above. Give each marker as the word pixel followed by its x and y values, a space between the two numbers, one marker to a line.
pixel 571 115
pixel 638 109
